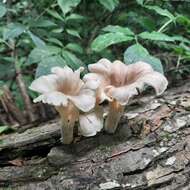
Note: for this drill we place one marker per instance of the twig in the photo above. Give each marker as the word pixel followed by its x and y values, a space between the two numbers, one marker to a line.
pixel 10 108
pixel 23 90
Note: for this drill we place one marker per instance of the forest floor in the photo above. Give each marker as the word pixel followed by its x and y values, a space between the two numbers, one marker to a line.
pixel 150 150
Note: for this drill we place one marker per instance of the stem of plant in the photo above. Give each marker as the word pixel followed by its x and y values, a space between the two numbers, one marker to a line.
pixel 114 114
pixel 165 25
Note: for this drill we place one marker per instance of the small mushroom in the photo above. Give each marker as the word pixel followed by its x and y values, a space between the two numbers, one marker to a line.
pixel 118 82
pixel 73 99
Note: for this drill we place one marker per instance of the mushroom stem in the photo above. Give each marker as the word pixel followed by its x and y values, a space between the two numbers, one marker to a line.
pixel 114 114
pixel 67 132
pixel 69 115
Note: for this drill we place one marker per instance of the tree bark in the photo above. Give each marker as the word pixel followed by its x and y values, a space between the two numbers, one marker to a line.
pixel 150 150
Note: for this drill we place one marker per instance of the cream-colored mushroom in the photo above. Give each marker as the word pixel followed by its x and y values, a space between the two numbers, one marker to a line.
pixel 119 82
pixel 72 98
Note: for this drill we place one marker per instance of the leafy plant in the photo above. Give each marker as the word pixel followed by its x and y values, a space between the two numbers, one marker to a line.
pixel 39 35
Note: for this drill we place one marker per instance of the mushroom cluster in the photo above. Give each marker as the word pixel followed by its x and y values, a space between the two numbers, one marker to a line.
pixel 80 100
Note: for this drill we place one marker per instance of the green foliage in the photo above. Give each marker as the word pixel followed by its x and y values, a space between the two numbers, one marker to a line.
pixel 105 40
pixel 67 5
pixel 156 36
pixel 38 54
pixel 75 48
pixel 13 30
pixel 163 12
pixel 45 65
pixel 109 4
pixel 134 53
pixel 51 33
pixel 36 40
pixel 3 10
pixel 137 53
pixel 118 29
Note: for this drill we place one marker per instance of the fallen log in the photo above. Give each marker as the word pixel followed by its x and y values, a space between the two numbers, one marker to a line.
pixel 150 150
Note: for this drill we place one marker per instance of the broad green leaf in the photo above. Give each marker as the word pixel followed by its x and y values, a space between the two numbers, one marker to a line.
pixel 75 47
pixel 73 33
pixel 55 41
pixel 160 11
pixel 117 29
pixel 75 17
pixel 137 53
pixel 109 4
pixel 38 54
pixel 105 40
pixel 44 67
pixel 3 10
pixel 72 60
pixel 67 5
pixel 37 41
pixel 134 52
pixel 13 30
pixel 154 62
pixel 157 36
pixel 55 14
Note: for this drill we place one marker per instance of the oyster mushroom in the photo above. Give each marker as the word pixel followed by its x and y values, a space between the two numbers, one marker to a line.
pixel 72 98
pixel 118 82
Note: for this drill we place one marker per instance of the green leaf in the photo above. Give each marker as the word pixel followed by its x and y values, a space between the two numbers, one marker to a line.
pixel 72 60
pixel 55 41
pixel 44 67
pixel 183 20
pixel 42 23
pixel 134 52
pixel 117 29
pixel 155 63
pixel 37 41
pixel 109 4
pixel 55 14
pixel 3 10
pixel 137 53
pixel 67 5
pixel 75 17
pixel 13 30
pixel 57 30
pixel 163 12
pixel 140 2
pixel 75 47
pixel 73 32
pixel 105 40
pixel 181 39
pixel 157 36
pixel 38 54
